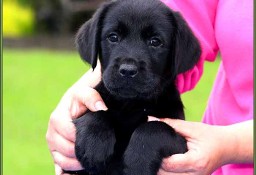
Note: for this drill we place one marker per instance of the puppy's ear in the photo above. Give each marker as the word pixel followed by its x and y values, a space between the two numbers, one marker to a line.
pixel 187 47
pixel 89 36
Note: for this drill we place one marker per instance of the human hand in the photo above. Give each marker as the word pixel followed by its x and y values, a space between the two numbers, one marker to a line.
pixel 60 135
pixel 209 147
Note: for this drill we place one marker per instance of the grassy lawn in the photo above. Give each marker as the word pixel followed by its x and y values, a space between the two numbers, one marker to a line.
pixel 33 83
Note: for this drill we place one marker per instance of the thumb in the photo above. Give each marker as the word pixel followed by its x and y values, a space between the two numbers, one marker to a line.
pixel 178 163
pixel 78 100
pixel 91 99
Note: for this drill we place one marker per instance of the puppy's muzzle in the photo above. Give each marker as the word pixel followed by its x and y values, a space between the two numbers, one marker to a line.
pixel 128 70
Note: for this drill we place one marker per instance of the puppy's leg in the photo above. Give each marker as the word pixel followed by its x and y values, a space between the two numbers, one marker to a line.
pixel 95 141
pixel 149 144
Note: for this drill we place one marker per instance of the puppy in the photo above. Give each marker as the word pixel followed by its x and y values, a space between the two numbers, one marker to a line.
pixel 142 46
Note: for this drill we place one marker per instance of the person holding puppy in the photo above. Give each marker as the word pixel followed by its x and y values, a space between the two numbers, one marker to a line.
pixel 223 143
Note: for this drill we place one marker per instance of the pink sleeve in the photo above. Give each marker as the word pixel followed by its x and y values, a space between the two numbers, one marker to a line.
pixel 200 16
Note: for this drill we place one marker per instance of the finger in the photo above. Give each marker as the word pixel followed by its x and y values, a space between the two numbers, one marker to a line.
pixel 58 170
pixel 62 125
pixel 66 163
pixel 63 146
pixel 91 99
pixel 178 163
pixel 185 128
pixel 162 172
pixel 151 118
pixel 77 100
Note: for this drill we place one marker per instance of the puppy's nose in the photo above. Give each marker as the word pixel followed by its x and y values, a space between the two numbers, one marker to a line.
pixel 128 70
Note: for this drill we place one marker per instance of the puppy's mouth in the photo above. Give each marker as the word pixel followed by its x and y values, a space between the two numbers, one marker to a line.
pixel 123 90
pixel 141 85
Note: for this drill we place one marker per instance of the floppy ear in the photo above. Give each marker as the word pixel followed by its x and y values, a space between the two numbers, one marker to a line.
pixel 187 47
pixel 89 36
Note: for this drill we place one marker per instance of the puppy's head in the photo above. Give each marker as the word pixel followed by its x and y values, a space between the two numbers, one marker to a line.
pixel 142 46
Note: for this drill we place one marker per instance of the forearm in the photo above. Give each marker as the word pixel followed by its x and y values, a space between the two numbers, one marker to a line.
pixel 239 142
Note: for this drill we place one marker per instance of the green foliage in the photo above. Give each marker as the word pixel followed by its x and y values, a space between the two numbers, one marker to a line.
pixel 33 83
pixel 17 20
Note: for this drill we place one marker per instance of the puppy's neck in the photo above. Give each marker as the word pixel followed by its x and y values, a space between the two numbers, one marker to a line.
pixel 166 103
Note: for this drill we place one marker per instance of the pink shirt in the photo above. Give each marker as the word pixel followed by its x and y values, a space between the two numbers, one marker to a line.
pixel 224 26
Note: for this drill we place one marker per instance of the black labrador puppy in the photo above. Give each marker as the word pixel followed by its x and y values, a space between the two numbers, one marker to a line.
pixel 142 45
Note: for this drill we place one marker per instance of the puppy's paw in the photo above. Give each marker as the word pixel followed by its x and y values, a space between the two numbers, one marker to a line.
pixel 149 144
pixel 95 141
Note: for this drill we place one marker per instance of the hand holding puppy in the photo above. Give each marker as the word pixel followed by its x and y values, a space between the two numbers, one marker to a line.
pixel 209 147
pixel 61 130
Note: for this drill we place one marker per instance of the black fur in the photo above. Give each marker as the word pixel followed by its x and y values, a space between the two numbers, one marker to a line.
pixel 142 46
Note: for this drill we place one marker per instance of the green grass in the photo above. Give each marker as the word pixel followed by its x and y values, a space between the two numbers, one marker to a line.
pixel 33 83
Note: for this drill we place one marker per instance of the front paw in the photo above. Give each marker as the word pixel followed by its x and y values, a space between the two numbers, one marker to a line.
pixel 95 141
pixel 149 144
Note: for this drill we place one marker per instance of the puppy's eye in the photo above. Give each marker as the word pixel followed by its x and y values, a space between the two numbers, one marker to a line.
pixel 155 42
pixel 113 37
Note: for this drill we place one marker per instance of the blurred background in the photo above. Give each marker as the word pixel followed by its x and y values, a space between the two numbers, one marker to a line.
pixel 40 63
